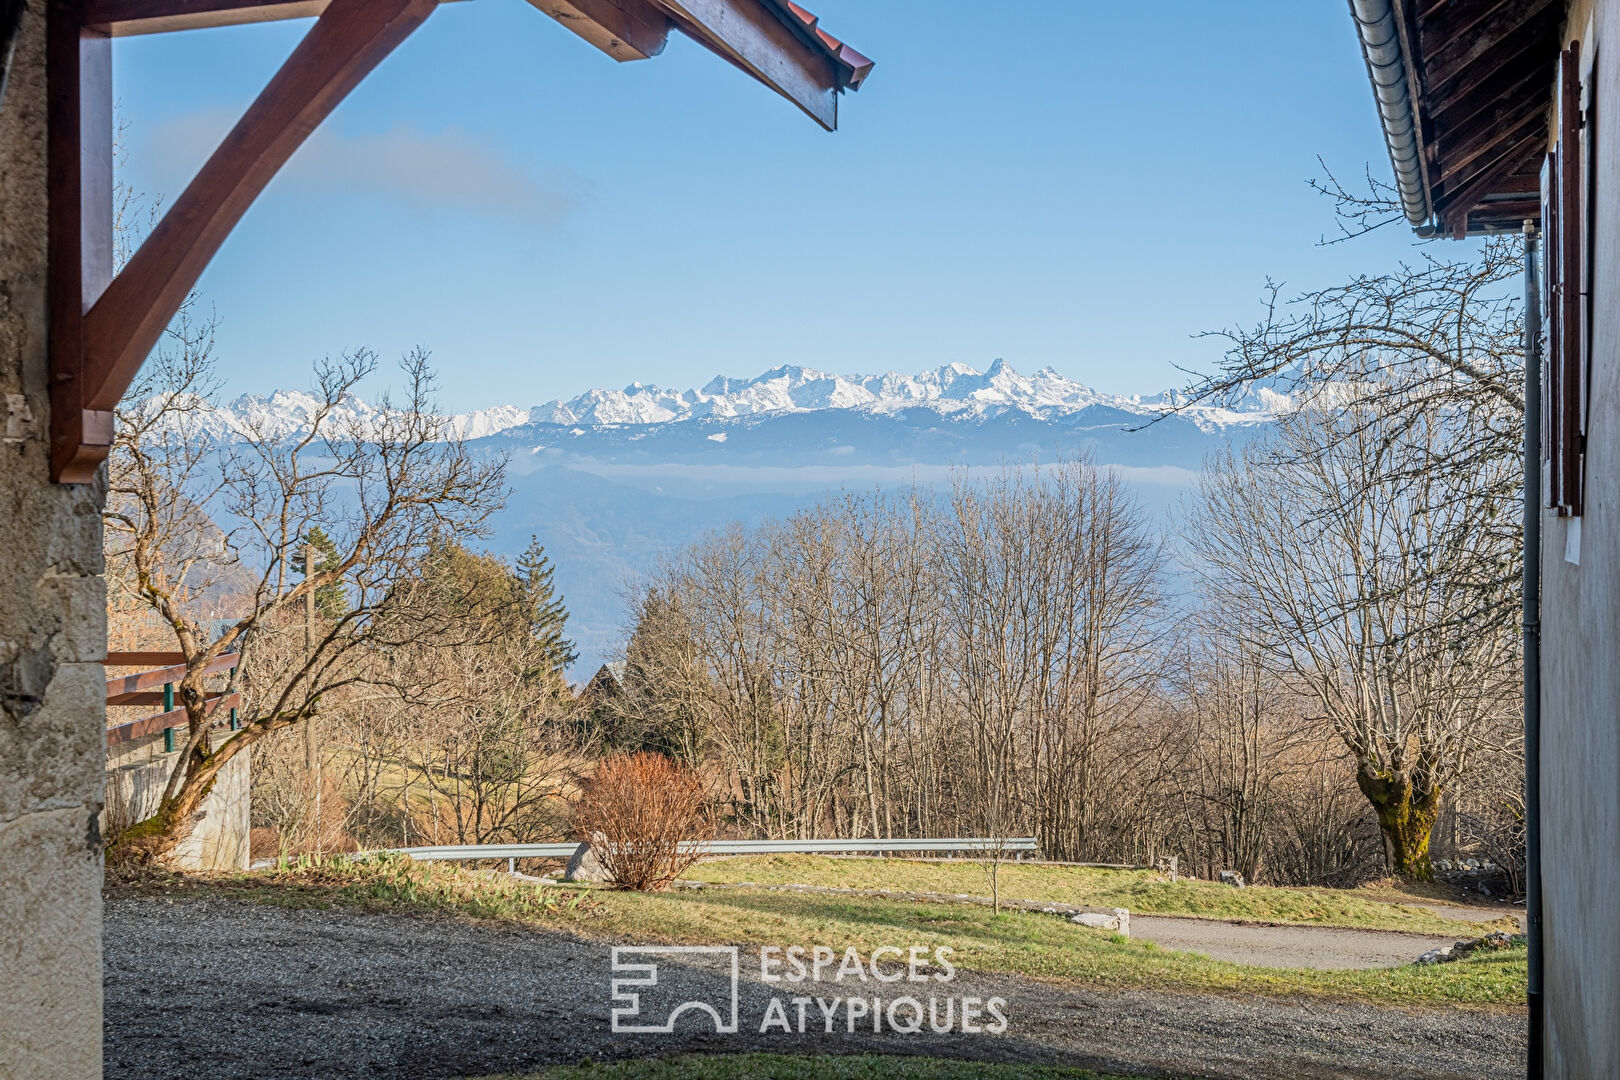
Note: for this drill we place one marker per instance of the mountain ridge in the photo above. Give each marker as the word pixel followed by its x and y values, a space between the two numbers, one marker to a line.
pixel 953 391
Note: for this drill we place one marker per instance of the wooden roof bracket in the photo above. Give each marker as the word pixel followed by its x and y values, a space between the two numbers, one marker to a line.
pixel 103 325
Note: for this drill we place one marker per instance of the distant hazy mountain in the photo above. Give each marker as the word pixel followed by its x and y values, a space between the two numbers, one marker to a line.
pixel 612 479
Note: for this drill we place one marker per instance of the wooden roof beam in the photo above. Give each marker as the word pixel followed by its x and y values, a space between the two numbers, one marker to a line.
pixel 1502 152
pixel 1456 49
pixel 1527 47
pixel 746 33
pixel 624 29
pixel 100 337
pixel 1459 202
pixel 1459 153
pixel 128 18
pixel 754 39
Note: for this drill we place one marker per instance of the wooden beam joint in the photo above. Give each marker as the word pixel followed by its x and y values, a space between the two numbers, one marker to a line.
pixel 103 326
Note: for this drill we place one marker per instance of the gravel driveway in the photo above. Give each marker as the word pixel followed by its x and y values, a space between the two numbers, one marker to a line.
pixel 1324 948
pixel 216 988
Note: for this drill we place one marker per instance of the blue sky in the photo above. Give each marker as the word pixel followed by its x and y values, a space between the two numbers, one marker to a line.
pixel 1063 183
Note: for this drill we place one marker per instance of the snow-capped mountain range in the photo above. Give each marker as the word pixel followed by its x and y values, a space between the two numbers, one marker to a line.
pixel 954 391
pixel 612 480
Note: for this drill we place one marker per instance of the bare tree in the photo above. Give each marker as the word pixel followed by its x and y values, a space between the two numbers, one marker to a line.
pixel 382 486
pixel 1376 584
pixel 491 733
pixel 1246 736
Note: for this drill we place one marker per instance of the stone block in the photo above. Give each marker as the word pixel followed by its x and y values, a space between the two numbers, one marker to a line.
pixel 50 956
pixel 1115 919
pixel 80 603
pixel 54 756
pixel 584 865
pixel 220 839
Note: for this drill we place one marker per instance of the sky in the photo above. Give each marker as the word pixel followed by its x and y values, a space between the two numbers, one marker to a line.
pixel 1063 183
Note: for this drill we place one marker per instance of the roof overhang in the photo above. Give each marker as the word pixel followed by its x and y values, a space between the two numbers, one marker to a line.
pixel 1464 91
pixel 775 41
pixel 105 320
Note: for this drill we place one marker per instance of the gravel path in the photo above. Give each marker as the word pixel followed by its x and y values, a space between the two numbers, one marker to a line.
pixel 1324 948
pixel 221 989
pixel 1261 944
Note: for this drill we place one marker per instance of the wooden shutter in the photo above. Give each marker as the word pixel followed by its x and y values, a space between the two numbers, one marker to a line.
pixel 1566 238
pixel 1552 339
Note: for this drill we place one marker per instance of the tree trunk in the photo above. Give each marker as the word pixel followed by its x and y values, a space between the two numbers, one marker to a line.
pixel 152 840
pixel 1406 814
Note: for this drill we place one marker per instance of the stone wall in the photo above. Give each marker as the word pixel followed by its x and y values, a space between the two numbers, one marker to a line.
pixel 52 640
pixel 136 776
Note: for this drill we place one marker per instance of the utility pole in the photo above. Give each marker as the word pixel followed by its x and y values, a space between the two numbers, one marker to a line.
pixel 312 753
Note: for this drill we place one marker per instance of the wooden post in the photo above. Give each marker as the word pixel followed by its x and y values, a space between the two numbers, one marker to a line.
pixel 312 749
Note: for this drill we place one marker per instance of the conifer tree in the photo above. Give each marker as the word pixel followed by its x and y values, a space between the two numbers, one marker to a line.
pixel 548 615
pixel 330 600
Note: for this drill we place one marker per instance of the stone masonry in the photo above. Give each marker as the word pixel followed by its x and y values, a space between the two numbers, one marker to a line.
pixel 52 640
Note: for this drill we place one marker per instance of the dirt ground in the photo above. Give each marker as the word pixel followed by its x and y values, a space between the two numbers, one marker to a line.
pixel 206 987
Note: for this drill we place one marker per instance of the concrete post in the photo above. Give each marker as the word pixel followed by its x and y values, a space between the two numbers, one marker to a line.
pixel 53 637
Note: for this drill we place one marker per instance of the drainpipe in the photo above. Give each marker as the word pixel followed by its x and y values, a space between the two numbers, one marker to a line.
pixel 1380 35
pixel 10 20
pixel 1532 646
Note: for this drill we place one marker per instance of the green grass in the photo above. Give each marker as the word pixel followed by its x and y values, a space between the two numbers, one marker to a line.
pixel 1014 942
pixel 1142 891
pixel 811 1067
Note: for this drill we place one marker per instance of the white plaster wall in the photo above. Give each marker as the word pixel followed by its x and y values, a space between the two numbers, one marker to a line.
pixel 1581 658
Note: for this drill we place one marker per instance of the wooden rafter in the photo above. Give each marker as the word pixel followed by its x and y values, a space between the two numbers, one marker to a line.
pixel 1483 38
pixel 753 39
pixel 1506 110
pixel 1464 199
pixel 1480 72
pixel 101 341
pixel 624 29
pixel 1485 148
pixel 123 18
pixel 103 326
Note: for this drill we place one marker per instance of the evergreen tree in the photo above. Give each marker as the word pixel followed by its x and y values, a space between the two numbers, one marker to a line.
pixel 332 601
pixel 548 616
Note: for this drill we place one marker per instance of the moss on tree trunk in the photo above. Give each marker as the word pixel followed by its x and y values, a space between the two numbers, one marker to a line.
pixel 152 840
pixel 1406 815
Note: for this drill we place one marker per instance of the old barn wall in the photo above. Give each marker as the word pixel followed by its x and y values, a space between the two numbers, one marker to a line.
pixel 52 639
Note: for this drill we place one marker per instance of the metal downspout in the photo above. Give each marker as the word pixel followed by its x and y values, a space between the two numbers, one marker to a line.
pixel 1532 649
pixel 1386 66
pixel 11 12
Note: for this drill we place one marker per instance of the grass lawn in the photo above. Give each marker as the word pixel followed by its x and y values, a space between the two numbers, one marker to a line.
pixel 810 1067
pixel 1142 891
pixel 1014 942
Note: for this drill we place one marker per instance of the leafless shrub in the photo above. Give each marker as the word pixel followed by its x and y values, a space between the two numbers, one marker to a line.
pixel 646 817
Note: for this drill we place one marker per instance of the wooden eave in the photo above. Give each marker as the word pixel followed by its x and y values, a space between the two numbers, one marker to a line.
pixel 1484 73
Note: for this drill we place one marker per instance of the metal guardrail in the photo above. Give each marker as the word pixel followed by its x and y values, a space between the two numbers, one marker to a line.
pixel 1014 845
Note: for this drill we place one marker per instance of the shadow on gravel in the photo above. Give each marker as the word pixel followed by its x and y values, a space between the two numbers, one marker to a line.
pixel 237 990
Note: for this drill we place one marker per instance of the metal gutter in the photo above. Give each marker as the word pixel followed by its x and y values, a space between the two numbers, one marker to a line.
pixel 1532 649
pixel 1388 67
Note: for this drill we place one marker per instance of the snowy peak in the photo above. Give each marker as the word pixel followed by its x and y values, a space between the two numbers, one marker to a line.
pixel 955 391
